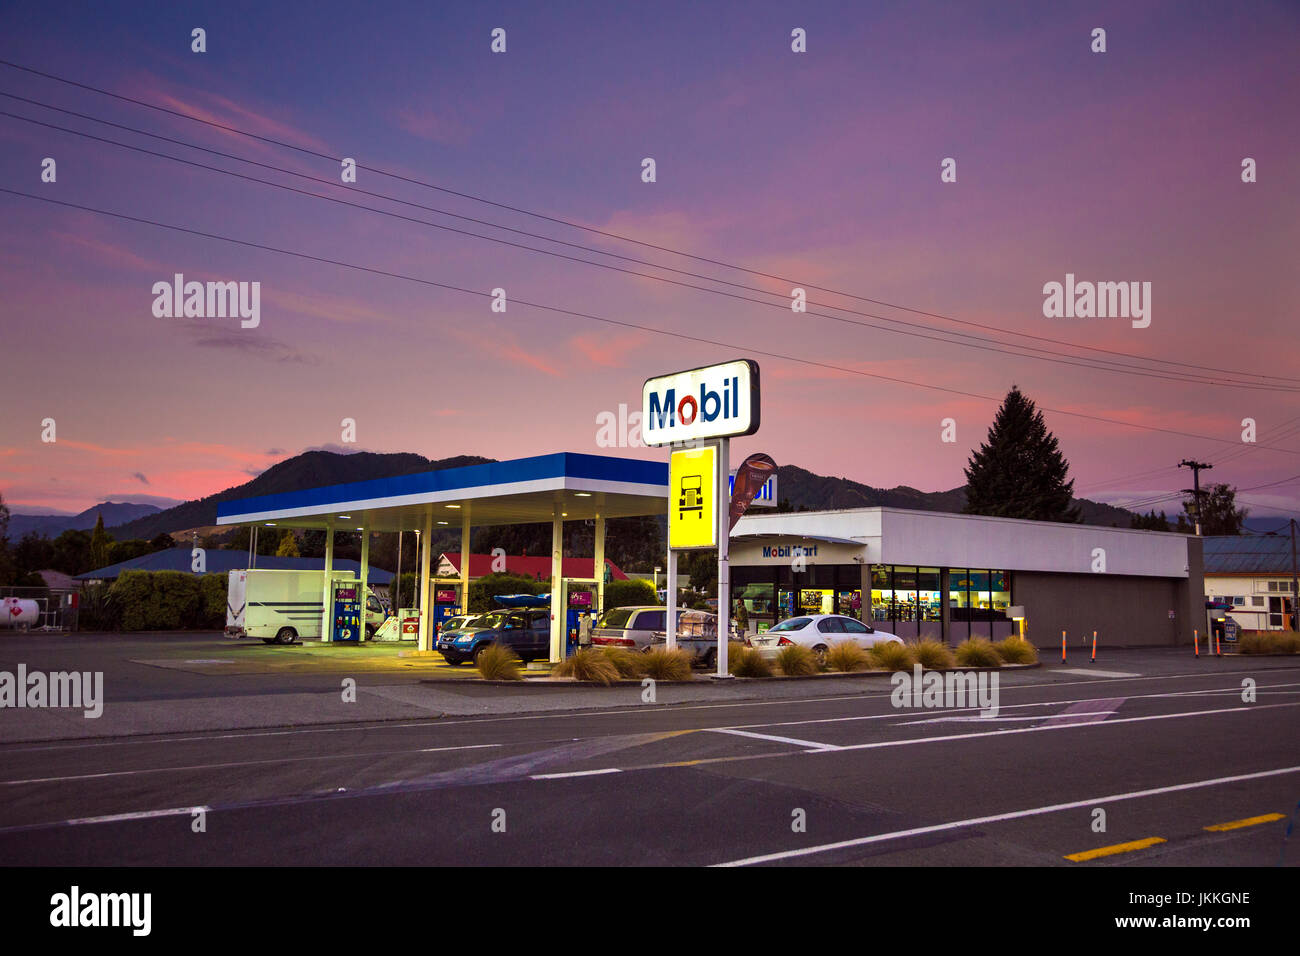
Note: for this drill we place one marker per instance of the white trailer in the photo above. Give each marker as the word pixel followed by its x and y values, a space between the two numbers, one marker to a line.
pixel 284 606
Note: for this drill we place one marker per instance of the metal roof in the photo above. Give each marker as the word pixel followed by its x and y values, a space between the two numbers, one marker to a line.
pixel 220 561
pixel 1248 554
pixel 523 491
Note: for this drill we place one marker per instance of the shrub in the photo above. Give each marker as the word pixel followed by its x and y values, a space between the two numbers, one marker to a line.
pixel 977 652
pixel 630 664
pixel 97 610
pixel 1016 650
pixel 482 590
pixel 933 655
pixel 175 600
pixel 131 594
pixel 213 592
pixel 587 664
pixel 629 593
pixel 1269 642
pixel 891 656
pixel 663 664
pixel 847 656
pixel 498 662
pixel 744 661
pixel 796 660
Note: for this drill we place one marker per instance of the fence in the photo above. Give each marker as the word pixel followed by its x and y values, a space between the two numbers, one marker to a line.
pixel 57 607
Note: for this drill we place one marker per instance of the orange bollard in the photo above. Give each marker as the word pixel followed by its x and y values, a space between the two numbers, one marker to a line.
pixel 1218 649
pixel 1196 639
pixel 1062 647
pixel 1094 648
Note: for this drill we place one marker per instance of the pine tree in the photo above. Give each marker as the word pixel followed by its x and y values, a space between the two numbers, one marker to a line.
pixel 1019 472
pixel 100 542
pixel 288 545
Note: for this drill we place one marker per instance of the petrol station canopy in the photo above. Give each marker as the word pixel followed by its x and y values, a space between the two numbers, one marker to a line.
pixel 572 486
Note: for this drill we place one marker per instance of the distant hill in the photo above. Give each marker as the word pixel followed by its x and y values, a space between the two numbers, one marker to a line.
pixel 818 492
pixel 802 488
pixel 311 469
pixel 54 525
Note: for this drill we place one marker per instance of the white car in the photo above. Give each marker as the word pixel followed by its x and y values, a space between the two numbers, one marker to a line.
pixel 818 632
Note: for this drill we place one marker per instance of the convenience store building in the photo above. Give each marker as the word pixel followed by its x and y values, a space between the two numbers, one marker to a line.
pixel 923 574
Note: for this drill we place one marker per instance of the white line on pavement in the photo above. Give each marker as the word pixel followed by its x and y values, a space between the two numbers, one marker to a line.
pixel 1013 815
pixel 238 763
pixel 1062 726
pixel 1226 691
pixel 784 740
pixel 138 815
pixel 574 773
pixel 435 722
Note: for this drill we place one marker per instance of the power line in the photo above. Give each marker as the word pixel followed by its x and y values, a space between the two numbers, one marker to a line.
pixel 1285 430
pixel 623 238
pixel 1059 358
pixel 731 347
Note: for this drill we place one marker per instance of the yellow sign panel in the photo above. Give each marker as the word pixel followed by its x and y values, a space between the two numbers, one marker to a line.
pixel 693 498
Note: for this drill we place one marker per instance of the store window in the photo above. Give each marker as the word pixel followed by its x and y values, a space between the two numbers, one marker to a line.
pixel 929 609
pixel 882 593
pixel 999 602
pixel 959 609
pixel 905 603
pixel 759 600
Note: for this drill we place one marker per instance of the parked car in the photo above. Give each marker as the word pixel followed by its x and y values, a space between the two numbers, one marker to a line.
pixel 818 632
pixel 526 632
pixel 630 627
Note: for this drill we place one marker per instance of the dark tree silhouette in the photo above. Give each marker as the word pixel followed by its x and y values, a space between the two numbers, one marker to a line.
pixel 1019 472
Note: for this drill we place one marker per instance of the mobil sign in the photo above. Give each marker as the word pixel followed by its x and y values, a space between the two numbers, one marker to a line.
pixel 717 401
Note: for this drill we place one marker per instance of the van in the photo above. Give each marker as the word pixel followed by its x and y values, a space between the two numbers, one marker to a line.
pixel 281 607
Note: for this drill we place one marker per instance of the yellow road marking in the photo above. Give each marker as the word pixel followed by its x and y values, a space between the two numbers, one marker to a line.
pixel 1112 850
pixel 1248 822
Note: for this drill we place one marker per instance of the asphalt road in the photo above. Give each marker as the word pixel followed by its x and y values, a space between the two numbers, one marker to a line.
pixel 1164 754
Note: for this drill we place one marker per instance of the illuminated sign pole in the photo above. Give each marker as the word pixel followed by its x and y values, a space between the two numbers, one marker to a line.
pixel 724 567
pixel 704 408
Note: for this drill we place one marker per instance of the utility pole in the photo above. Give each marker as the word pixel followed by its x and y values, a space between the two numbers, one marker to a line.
pixel 1195 491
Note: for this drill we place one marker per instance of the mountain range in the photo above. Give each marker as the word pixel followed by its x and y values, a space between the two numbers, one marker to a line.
pixel 800 487
pixel 115 513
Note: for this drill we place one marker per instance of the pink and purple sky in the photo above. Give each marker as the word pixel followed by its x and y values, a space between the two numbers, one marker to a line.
pixel 822 166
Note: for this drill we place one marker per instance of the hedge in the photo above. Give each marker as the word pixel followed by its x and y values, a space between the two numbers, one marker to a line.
pixel 629 593
pixel 165 601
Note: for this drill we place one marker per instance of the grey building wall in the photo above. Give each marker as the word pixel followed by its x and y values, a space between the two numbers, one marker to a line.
pixel 1125 611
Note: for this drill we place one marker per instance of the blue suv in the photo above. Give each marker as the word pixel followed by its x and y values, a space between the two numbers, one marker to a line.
pixel 527 633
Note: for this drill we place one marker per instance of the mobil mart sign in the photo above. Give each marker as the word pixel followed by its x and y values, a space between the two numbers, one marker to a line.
pixel 717 401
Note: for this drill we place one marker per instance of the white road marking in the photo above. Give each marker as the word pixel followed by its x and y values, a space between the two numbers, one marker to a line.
pixel 1062 726
pixel 574 773
pixel 460 721
pixel 783 740
pixel 139 815
pixel 1013 815
pixel 1090 672
pixel 239 763
pixel 1226 691
pixel 975 718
